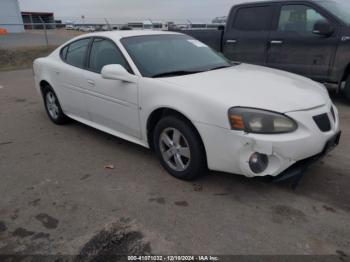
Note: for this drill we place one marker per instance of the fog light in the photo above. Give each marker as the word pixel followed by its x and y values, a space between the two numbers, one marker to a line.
pixel 258 162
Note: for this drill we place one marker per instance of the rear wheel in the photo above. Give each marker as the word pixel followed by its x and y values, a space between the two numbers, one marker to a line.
pixel 53 107
pixel 179 148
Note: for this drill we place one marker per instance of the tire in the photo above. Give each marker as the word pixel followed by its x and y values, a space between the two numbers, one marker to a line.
pixel 347 89
pixel 53 107
pixel 179 148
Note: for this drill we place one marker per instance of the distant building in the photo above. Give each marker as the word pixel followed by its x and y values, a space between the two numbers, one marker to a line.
pixel 220 20
pixel 10 16
pixel 135 25
pixel 147 24
pixel 33 20
pixel 198 25
pixel 59 24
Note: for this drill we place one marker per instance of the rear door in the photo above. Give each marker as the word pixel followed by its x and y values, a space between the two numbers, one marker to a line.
pixel 70 76
pixel 247 33
pixel 294 47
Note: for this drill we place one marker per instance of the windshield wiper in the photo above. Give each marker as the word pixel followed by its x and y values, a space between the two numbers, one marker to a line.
pixel 218 67
pixel 187 72
pixel 176 73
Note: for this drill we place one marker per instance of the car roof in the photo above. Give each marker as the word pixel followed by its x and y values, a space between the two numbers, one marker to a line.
pixel 117 35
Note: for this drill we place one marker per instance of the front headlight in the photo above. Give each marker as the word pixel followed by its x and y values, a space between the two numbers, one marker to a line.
pixel 259 121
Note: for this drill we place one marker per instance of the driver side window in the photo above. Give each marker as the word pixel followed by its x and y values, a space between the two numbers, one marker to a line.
pixel 299 18
pixel 104 52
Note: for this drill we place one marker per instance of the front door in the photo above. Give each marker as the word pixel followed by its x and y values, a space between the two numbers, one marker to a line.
pixel 112 103
pixel 294 47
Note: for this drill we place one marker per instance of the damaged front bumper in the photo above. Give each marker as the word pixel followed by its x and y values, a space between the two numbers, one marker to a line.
pixel 297 170
pixel 287 154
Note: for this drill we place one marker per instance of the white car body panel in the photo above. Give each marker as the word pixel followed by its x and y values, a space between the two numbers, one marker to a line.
pixel 112 103
pixel 239 85
pixel 123 109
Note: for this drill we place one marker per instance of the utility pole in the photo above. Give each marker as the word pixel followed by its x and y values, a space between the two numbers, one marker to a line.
pixel 149 19
pixel 108 25
pixel 189 22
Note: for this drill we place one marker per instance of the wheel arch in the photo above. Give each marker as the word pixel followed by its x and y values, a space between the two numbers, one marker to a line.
pixel 43 85
pixel 162 112
pixel 345 73
pixel 345 88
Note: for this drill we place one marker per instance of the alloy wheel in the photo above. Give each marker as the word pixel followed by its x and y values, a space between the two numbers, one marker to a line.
pixel 51 104
pixel 175 149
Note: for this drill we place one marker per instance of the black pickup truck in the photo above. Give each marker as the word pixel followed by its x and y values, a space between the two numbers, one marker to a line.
pixel 310 37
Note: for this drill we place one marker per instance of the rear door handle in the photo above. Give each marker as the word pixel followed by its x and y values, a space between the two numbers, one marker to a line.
pixel 276 42
pixel 91 82
pixel 231 41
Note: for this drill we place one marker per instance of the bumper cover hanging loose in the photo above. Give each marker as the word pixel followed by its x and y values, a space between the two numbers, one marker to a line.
pixel 297 171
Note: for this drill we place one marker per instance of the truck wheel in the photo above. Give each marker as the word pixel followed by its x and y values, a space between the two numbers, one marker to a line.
pixel 347 89
pixel 179 148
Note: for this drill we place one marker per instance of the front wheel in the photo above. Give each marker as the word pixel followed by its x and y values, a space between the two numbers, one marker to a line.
pixel 179 148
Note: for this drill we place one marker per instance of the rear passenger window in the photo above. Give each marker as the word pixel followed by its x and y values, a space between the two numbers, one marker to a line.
pixel 64 53
pixel 253 18
pixel 104 52
pixel 76 52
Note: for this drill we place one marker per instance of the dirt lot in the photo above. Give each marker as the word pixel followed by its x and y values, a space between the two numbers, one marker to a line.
pixel 18 51
pixel 56 197
pixel 22 57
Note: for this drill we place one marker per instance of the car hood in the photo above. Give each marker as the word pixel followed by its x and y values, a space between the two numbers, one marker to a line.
pixel 254 86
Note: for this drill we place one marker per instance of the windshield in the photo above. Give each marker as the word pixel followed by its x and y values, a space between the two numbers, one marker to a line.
pixel 171 55
pixel 339 8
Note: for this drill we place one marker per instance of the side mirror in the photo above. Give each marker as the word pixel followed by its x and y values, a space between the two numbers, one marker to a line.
pixel 117 72
pixel 323 28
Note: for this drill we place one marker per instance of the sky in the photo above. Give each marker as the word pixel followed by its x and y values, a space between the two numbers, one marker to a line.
pixel 128 10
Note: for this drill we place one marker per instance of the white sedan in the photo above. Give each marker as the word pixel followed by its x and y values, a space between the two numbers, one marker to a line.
pixel 171 93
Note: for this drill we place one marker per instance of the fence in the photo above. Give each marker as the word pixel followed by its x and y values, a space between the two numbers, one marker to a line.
pixel 54 34
pixel 39 34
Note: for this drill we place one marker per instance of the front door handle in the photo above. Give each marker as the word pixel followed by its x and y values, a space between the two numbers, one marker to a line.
pixel 91 82
pixel 231 41
pixel 276 42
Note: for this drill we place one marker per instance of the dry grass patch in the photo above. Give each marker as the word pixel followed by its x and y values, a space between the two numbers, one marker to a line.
pixel 23 57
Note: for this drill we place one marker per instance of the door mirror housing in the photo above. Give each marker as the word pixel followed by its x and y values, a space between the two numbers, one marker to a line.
pixel 117 72
pixel 323 28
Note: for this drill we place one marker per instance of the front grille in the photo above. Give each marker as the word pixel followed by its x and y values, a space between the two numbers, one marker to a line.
pixel 323 122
